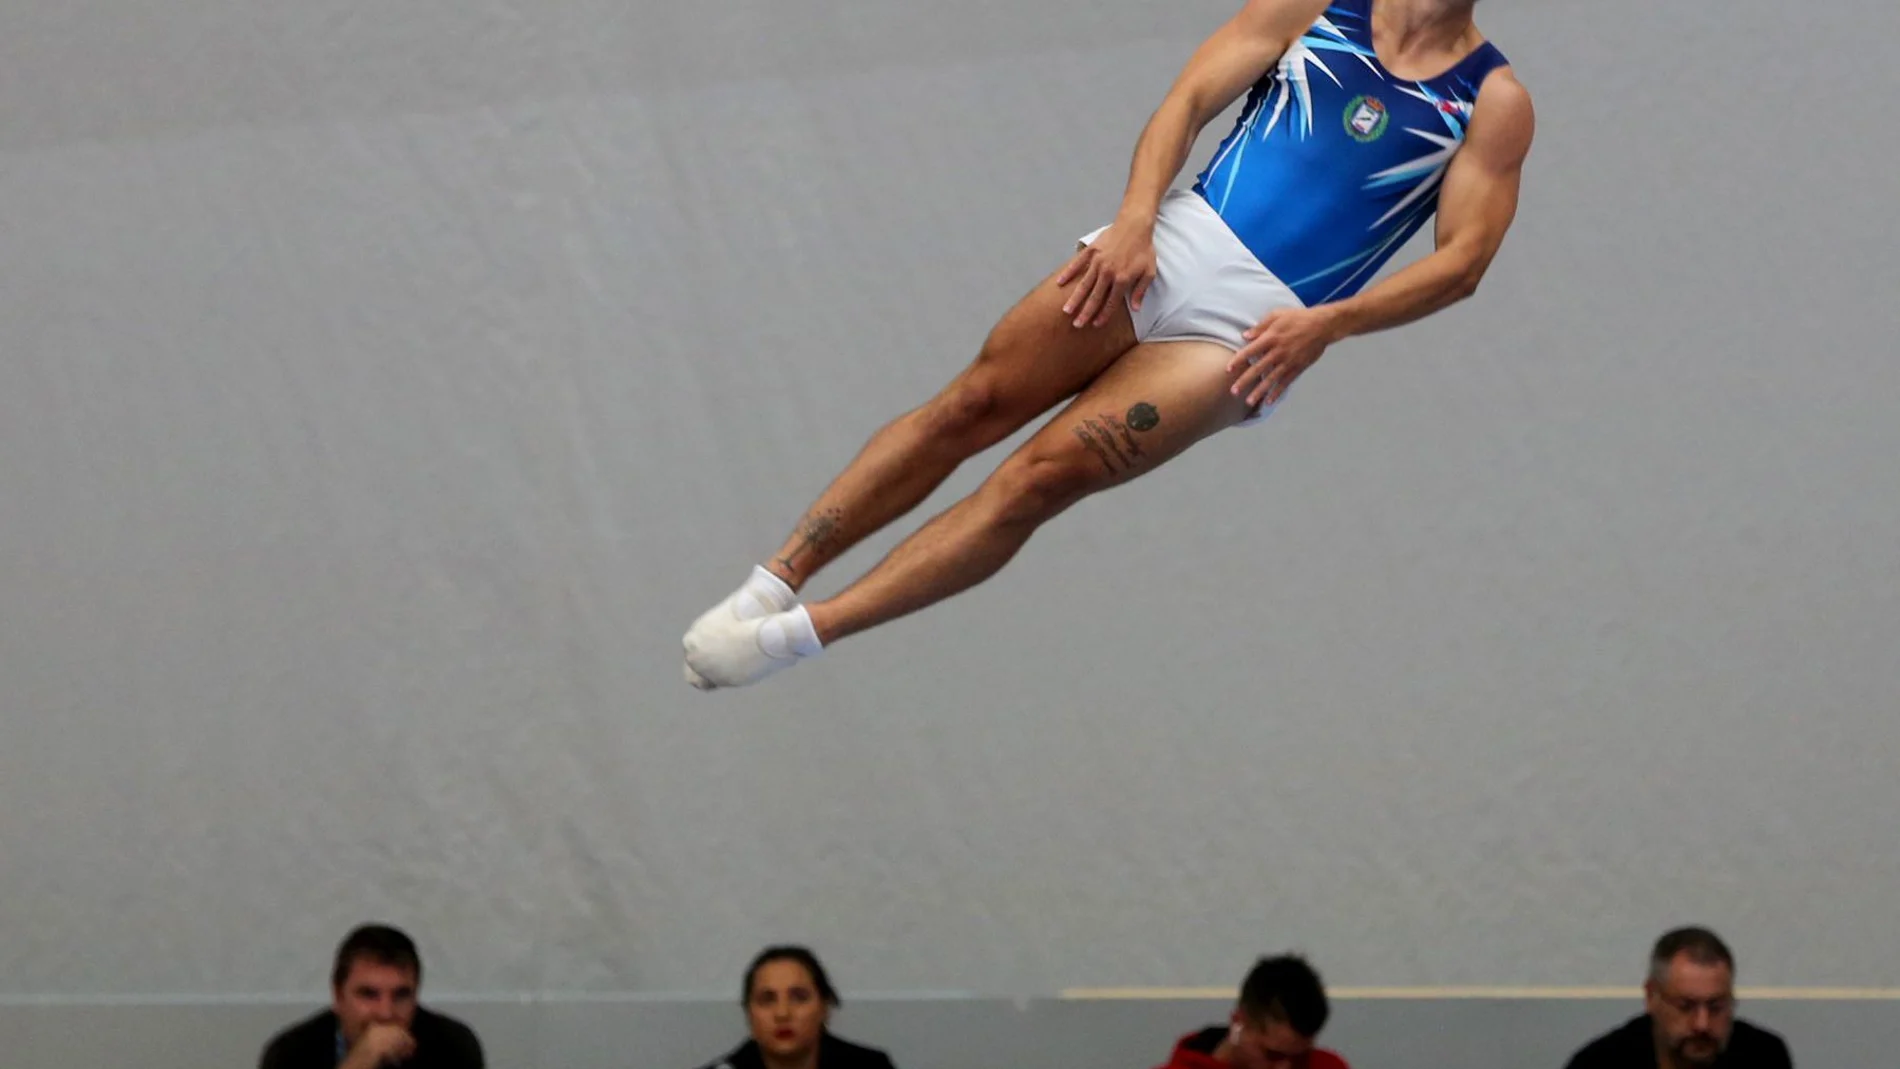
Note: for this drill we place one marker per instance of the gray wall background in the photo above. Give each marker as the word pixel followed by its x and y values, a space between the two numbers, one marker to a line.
pixel 387 386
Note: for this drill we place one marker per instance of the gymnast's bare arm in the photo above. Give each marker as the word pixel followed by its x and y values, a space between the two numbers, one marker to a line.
pixel 1121 263
pixel 1476 206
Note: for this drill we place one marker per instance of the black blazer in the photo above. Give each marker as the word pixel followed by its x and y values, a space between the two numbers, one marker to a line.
pixel 1633 1047
pixel 442 1042
pixel 833 1053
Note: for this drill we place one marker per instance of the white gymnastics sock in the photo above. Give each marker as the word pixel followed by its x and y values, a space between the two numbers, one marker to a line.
pixel 762 595
pixel 788 635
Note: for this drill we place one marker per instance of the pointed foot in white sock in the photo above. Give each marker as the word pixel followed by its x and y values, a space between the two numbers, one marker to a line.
pixel 762 594
pixel 697 681
pixel 731 656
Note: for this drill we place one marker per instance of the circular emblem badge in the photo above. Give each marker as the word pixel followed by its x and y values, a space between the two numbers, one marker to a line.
pixel 1366 118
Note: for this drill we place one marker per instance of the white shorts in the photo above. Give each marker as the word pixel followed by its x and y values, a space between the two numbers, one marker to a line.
pixel 1207 286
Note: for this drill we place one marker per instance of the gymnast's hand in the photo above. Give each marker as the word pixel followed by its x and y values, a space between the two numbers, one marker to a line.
pixel 1279 348
pixel 1119 266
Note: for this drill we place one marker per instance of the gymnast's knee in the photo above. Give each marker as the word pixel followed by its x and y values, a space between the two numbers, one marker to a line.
pixel 1031 489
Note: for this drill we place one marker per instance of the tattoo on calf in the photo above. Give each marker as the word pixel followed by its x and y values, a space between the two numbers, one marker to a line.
pixel 818 531
pixel 1143 417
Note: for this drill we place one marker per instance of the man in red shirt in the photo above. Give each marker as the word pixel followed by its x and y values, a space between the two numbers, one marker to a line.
pixel 1281 1009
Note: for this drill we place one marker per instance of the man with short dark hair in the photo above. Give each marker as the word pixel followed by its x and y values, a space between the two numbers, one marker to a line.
pixel 1690 1024
pixel 374 1019
pixel 1280 1011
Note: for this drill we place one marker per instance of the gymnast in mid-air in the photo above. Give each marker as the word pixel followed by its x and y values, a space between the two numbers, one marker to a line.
pixel 1192 311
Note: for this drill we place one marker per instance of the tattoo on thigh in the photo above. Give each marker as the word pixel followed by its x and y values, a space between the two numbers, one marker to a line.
pixel 1126 436
pixel 1112 439
pixel 818 531
pixel 1085 432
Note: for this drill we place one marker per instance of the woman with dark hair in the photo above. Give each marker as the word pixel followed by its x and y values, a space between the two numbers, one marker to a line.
pixel 788 1001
